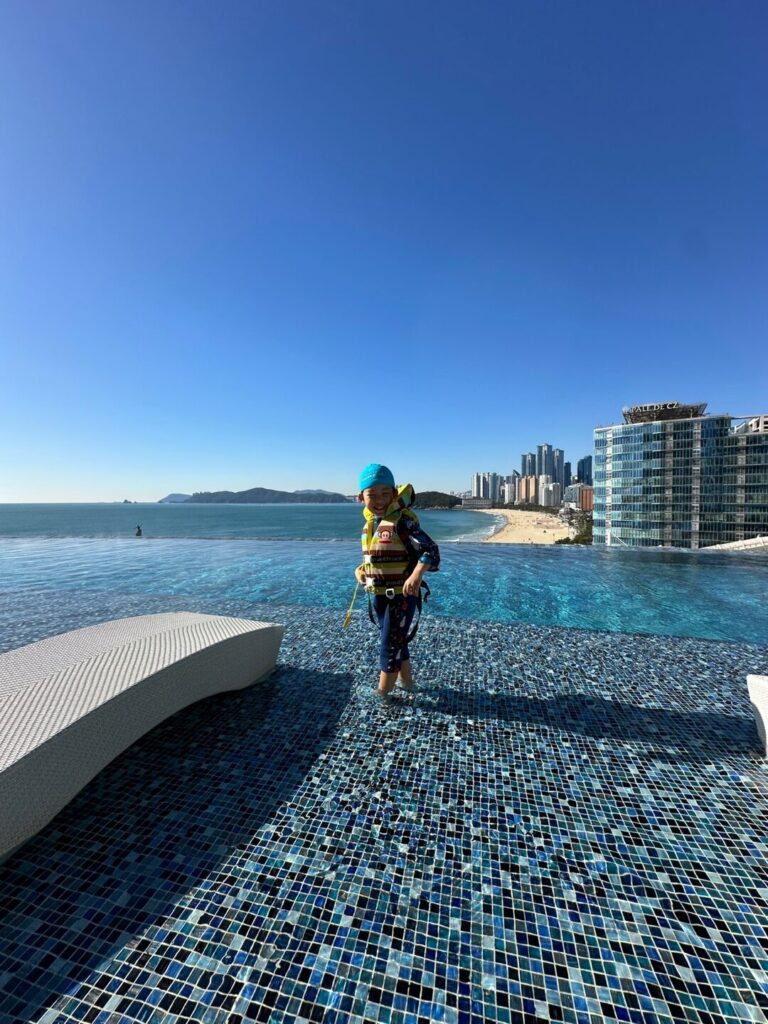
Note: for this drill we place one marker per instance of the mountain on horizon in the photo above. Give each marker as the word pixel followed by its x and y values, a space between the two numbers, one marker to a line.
pixel 312 490
pixel 267 496
pixel 171 499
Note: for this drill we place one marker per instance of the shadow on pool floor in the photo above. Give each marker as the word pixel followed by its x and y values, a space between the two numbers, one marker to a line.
pixel 155 825
pixel 656 733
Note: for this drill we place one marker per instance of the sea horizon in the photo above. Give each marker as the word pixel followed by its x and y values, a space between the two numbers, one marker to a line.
pixel 328 521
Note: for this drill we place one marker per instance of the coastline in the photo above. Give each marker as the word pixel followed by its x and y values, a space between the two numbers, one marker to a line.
pixel 525 527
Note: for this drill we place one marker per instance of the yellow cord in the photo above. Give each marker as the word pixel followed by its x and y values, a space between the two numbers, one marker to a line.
pixel 348 618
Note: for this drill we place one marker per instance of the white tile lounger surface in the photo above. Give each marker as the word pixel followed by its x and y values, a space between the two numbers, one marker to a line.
pixel 758 695
pixel 72 703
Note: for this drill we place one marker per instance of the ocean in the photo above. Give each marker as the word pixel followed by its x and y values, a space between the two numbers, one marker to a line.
pixel 223 522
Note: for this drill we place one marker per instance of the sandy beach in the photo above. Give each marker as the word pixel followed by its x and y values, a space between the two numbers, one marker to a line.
pixel 526 527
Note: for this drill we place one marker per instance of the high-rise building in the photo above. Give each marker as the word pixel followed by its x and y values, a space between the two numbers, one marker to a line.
pixel 567 475
pixel 511 488
pixel 549 493
pixel 528 490
pixel 572 495
pixel 579 496
pixel 671 476
pixel 528 464
pixel 584 470
pixel 487 485
pixel 494 481
pixel 558 467
pixel 544 460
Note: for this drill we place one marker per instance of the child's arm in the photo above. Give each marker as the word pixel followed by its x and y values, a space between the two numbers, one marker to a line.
pixel 429 555
pixel 421 544
pixel 412 584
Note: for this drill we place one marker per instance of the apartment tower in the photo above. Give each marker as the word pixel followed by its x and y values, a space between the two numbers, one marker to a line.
pixel 672 476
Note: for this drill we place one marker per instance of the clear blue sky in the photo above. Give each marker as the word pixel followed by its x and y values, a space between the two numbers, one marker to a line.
pixel 264 243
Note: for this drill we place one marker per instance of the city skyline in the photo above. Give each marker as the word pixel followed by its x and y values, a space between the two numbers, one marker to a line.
pixel 546 464
pixel 583 472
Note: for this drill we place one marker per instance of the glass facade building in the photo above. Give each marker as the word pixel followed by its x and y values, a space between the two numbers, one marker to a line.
pixel 584 470
pixel 689 482
pixel 558 467
pixel 545 460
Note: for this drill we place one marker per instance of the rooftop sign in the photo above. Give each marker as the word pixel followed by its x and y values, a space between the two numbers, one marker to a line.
pixel 662 411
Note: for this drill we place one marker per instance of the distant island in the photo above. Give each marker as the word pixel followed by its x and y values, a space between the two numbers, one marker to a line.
pixel 435 499
pixel 265 496
pixel 268 496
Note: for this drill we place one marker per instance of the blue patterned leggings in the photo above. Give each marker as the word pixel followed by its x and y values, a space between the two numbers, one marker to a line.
pixel 395 615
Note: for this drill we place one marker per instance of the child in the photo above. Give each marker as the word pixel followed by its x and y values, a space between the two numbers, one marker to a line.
pixel 396 554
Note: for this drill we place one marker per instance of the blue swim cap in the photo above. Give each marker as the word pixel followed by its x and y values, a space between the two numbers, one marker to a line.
pixel 375 473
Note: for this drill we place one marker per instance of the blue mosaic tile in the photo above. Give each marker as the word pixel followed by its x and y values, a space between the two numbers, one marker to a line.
pixel 562 825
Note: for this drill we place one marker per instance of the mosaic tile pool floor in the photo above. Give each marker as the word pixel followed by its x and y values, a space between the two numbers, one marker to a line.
pixel 562 826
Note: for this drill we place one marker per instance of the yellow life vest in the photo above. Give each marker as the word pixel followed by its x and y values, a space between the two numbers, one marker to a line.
pixel 385 556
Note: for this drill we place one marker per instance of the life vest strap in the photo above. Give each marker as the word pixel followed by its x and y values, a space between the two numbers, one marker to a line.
pixel 427 593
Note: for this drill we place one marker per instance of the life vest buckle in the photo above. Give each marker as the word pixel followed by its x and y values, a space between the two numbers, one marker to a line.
pixel 389 592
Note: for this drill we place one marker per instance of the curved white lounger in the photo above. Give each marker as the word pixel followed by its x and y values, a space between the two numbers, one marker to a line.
pixel 758 695
pixel 72 703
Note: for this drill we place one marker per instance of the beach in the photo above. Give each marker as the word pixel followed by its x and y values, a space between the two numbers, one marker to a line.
pixel 526 527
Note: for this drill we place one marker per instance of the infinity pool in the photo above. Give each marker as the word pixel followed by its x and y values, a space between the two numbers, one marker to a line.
pixel 561 825
pixel 707 595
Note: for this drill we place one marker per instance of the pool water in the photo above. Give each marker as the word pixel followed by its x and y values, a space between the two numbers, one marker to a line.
pixel 705 594
pixel 563 824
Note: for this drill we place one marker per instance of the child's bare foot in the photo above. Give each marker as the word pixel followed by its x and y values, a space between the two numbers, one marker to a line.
pixel 407 684
pixel 386 682
pixel 405 678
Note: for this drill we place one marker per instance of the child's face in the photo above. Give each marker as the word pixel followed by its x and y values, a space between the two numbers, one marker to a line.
pixel 378 498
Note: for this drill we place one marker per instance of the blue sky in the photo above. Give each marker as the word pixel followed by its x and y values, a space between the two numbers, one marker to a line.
pixel 263 244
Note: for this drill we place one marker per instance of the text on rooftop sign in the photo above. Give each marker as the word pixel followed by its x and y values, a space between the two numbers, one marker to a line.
pixel 654 407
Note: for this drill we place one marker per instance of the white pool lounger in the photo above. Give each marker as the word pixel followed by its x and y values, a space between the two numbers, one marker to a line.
pixel 758 695
pixel 72 703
